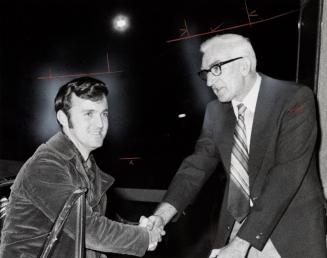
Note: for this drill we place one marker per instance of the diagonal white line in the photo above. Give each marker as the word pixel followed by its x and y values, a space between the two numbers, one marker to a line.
pixel 241 184
pixel 240 173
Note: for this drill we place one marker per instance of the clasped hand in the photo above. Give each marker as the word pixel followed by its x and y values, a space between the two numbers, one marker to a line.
pixel 155 226
pixel 237 248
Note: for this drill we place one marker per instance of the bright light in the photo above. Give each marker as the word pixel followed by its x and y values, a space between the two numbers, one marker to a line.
pixel 181 115
pixel 120 23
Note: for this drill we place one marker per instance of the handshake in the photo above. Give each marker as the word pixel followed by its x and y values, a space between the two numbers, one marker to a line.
pixel 155 226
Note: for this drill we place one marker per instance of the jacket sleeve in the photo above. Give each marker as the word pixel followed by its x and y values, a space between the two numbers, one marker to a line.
pixel 49 189
pixel 293 155
pixel 195 169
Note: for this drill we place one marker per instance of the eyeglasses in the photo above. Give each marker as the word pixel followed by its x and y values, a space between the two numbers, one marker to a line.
pixel 215 69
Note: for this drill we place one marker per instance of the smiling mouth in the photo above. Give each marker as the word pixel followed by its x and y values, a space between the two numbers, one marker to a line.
pixel 96 133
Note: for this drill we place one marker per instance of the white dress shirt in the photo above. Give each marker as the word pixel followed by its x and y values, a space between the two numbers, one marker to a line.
pixel 250 101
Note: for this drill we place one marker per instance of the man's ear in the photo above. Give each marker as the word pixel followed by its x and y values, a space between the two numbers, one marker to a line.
pixel 245 66
pixel 62 118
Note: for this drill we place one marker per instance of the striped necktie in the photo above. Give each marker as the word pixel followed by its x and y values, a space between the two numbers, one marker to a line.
pixel 238 193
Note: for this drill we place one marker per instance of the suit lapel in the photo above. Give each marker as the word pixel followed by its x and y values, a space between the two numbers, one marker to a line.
pixel 226 126
pixel 262 128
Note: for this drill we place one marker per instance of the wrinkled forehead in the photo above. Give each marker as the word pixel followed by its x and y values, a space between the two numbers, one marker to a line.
pixel 214 54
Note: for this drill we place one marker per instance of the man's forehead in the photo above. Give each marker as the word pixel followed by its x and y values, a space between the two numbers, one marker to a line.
pixel 213 55
pixel 82 103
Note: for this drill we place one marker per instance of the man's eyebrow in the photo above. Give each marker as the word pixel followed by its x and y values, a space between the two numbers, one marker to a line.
pixel 211 64
pixel 214 63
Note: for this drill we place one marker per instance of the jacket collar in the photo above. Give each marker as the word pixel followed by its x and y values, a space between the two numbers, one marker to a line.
pixel 263 124
pixel 64 147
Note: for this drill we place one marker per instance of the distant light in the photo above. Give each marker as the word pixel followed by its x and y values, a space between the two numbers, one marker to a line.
pixel 120 23
pixel 181 115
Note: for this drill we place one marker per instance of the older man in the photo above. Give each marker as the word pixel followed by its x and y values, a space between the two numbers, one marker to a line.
pixel 264 132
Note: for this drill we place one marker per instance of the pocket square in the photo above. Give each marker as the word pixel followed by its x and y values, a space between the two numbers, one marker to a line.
pixel 296 109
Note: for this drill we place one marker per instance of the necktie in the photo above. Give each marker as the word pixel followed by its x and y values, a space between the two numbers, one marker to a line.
pixel 238 194
pixel 90 172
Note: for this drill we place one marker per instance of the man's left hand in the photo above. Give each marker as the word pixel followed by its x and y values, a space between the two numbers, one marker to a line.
pixel 237 248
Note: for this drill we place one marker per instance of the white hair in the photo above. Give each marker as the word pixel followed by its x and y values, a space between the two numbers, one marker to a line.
pixel 235 45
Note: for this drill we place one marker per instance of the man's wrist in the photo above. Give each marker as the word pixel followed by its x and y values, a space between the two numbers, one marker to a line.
pixel 160 217
pixel 164 218
pixel 242 244
pixel 166 212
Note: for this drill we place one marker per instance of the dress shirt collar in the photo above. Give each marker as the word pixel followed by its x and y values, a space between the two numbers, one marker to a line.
pixel 250 100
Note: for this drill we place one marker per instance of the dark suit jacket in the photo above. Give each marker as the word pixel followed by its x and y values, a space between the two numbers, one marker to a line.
pixel 284 183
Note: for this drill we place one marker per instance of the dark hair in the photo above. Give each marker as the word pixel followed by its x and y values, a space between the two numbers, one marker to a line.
pixel 84 87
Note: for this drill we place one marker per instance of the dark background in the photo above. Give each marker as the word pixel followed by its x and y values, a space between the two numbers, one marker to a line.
pixel 153 80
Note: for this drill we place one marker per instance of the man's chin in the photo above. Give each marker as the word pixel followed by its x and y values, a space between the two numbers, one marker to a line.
pixel 97 143
pixel 222 99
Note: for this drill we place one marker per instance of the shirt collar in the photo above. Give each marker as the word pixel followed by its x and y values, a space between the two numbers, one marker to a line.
pixel 250 100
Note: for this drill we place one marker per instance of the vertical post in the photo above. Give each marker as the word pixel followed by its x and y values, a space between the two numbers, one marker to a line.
pixel 322 96
pixel 80 228
pixel 299 29
pixel 79 196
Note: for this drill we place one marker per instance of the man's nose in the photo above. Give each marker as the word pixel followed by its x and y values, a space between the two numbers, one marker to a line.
pixel 211 79
pixel 99 121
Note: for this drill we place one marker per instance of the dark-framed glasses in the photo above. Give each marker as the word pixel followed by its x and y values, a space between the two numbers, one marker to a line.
pixel 215 69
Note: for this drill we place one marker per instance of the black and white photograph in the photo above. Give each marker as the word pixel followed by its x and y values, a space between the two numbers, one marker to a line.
pixel 163 129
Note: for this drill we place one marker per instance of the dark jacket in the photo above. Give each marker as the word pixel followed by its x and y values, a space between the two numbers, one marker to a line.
pixel 284 182
pixel 39 192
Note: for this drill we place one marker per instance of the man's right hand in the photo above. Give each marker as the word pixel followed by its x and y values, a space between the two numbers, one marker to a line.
pixel 153 221
pixel 154 229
